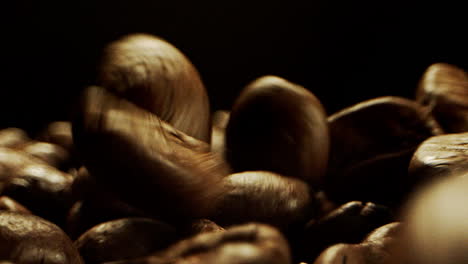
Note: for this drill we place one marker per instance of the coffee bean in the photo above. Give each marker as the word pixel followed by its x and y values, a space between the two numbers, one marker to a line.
pixel 248 244
pixel 375 249
pixel 278 126
pixel 350 223
pixel 264 197
pixel 371 147
pixel 123 239
pixel 443 89
pixel 155 75
pixel 26 238
pixel 439 156
pixel 43 189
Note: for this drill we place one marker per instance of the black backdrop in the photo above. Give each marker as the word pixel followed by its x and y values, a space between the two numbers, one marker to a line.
pixel 343 51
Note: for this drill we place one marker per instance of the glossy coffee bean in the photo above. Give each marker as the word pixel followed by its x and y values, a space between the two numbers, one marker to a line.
pixel 123 239
pixel 375 249
pixel 43 189
pixel 350 223
pixel 264 197
pixel 443 89
pixel 440 156
pixel 371 147
pixel 26 238
pixel 155 75
pixel 278 126
pixel 244 244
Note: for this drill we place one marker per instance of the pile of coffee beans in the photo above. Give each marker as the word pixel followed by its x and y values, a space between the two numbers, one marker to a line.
pixel 145 173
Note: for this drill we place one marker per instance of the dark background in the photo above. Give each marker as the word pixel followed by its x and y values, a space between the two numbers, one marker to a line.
pixel 343 51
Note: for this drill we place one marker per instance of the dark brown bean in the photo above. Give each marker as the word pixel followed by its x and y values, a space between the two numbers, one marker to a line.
pixel 371 147
pixel 245 244
pixel 278 126
pixel 444 90
pixel 156 76
pixel 124 239
pixel 375 249
pixel 440 156
pixel 144 160
pixel 43 189
pixel 349 223
pixel 261 196
pixel 26 238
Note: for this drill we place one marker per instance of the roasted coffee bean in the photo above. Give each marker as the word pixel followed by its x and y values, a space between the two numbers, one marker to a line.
pixel 26 238
pixel 245 244
pixel 278 126
pixel 349 223
pixel 124 239
pixel 12 137
pixel 371 147
pixel 43 189
pixel 156 76
pixel 439 156
pixel 436 226
pixel 145 161
pixel 264 197
pixel 444 90
pixel 8 204
pixel 375 249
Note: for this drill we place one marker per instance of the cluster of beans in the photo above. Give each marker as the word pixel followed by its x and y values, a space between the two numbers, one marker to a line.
pixel 145 173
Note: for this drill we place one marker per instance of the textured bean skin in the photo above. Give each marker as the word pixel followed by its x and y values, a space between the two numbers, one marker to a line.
pixel 155 75
pixel 443 89
pixel 26 238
